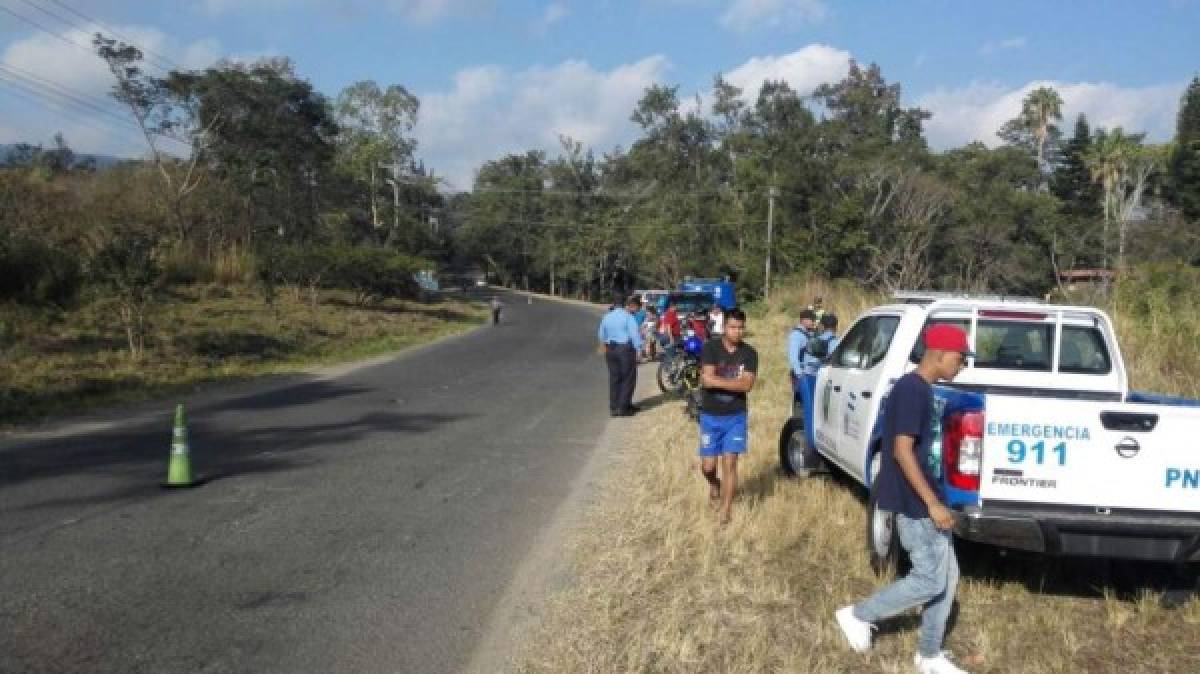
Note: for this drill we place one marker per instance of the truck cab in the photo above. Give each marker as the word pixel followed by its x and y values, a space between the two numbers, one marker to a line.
pixel 1040 444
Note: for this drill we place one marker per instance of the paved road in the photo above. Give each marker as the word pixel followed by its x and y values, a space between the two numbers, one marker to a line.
pixel 367 522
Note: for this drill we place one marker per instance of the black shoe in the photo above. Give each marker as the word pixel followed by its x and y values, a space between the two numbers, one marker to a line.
pixel 635 408
pixel 627 413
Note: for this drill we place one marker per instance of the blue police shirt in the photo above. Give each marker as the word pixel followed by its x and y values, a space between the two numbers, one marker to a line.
pixel 797 341
pixel 619 326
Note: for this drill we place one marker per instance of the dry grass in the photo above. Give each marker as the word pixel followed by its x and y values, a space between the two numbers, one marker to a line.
pixel 201 333
pixel 659 588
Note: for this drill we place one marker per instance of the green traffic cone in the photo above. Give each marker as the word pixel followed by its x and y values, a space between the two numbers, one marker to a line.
pixel 179 469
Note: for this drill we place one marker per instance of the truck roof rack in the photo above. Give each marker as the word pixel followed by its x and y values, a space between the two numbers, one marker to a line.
pixel 929 297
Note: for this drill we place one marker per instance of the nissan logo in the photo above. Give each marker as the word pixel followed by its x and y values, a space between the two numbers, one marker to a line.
pixel 1127 448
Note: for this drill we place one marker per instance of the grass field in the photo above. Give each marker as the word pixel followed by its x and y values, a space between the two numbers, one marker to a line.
pixel 200 333
pixel 659 588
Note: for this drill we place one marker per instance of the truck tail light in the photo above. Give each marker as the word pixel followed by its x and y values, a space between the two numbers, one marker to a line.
pixel 962 449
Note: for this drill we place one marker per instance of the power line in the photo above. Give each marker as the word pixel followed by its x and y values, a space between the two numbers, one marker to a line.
pixel 82 111
pixel 110 31
pixel 59 90
pixel 85 121
pixel 49 31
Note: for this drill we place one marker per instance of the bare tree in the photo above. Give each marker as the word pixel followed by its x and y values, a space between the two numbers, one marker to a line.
pixel 161 119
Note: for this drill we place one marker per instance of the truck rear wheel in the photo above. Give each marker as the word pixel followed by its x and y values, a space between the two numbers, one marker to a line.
pixel 883 541
pixel 796 459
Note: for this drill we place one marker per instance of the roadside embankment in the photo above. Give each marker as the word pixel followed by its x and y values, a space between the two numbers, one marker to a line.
pixel 70 362
pixel 657 586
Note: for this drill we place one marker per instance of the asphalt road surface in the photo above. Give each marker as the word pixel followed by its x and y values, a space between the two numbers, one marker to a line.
pixel 363 522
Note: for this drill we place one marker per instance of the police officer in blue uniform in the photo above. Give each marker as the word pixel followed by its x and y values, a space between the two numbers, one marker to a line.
pixel 622 341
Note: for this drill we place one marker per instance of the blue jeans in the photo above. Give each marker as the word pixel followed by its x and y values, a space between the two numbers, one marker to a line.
pixel 930 583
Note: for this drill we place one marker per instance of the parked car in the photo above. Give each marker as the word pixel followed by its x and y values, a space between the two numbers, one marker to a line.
pixel 1041 446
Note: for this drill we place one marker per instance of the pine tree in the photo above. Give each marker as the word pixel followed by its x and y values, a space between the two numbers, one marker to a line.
pixel 1185 160
pixel 1073 183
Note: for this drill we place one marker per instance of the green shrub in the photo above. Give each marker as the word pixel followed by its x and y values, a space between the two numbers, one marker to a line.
pixel 234 266
pixel 183 264
pixel 373 274
pixel 35 273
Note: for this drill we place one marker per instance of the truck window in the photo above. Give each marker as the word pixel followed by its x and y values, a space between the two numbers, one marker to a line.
pixel 867 343
pixel 1083 351
pixel 850 351
pixel 1014 345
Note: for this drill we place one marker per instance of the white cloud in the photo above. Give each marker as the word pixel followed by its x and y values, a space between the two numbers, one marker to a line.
pixel 491 111
pixel 746 15
pixel 977 111
pixel 48 64
pixel 1012 43
pixel 554 13
pixel 804 70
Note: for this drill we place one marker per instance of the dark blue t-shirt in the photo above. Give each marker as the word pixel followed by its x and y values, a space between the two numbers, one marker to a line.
pixel 909 411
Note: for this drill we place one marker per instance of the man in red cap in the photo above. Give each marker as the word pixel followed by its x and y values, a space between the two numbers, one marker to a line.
pixel 905 487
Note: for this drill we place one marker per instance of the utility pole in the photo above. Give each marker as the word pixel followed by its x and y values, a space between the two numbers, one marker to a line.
pixel 771 194
pixel 394 181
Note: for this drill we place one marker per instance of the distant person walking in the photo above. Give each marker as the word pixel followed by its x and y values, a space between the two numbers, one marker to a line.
pixel 621 341
pixel 497 306
pixel 728 367
pixel 923 522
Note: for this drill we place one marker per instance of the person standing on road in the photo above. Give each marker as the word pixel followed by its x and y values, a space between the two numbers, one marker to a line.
pixel 728 367
pixel 496 305
pixel 621 341
pixel 923 522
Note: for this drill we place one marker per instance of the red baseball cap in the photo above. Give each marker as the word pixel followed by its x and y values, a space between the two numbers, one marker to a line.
pixel 944 337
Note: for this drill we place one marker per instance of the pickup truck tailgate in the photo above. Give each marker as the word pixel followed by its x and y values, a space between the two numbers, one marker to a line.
pixel 1090 453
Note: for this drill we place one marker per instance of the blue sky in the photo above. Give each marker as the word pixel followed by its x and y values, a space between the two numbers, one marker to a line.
pixel 496 76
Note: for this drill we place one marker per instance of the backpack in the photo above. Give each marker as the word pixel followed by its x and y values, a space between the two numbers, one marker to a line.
pixel 818 347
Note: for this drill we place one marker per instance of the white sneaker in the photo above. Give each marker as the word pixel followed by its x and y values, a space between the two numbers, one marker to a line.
pixel 939 664
pixel 857 632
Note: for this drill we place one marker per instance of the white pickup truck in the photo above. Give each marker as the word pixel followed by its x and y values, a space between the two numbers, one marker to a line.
pixel 1040 447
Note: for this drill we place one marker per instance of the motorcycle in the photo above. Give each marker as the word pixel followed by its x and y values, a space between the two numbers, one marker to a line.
pixel 679 371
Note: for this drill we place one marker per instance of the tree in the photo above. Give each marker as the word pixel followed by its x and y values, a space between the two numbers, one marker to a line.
pixel 1123 167
pixel 373 125
pixel 1072 183
pixel 128 267
pixel 865 113
pixel 1185 159
pixel 161 119
pixel 270 137
pixel 1034 127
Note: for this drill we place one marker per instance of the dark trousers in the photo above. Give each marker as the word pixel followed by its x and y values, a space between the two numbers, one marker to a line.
pixel 622 376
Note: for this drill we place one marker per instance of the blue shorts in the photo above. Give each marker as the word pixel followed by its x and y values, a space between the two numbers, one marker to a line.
pixel 722 434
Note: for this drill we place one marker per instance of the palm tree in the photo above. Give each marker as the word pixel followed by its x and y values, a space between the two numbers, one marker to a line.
pixel 1041 108
pixel 1113 160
